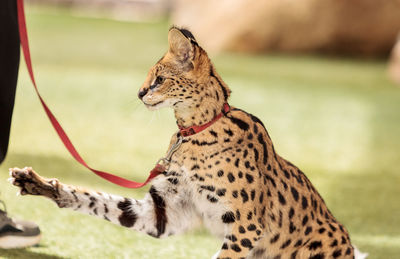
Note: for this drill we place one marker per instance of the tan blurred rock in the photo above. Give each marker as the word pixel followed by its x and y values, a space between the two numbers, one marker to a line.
pixel 394 63
pixel 357 27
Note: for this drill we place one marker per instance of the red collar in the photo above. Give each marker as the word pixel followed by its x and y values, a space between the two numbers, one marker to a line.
pixel 197 128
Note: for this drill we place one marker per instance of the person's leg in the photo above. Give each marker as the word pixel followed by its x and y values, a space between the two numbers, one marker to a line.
pixel 13 233
pixel 9 63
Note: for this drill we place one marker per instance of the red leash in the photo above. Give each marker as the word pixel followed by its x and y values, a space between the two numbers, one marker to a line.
pixel 60 131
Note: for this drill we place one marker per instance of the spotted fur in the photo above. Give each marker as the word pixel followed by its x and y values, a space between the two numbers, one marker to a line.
pixel 228 176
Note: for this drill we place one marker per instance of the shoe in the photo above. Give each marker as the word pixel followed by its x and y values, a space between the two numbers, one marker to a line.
pixel 17 233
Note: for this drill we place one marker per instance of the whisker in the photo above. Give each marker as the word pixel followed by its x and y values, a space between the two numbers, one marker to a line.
pixel 137 106
pixel 151 120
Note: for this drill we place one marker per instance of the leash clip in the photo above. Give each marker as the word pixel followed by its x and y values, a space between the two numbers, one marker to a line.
pixel 164 161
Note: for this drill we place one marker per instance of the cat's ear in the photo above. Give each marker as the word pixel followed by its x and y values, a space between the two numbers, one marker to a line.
pixel 180 46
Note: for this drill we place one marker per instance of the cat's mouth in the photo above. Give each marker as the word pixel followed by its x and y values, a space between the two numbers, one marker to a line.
pixel 154 105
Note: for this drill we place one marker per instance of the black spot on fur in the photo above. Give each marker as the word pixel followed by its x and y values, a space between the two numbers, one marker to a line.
pixel 173 180
pixel 252 194
pixel 247 164
pixel 282 199
pixel 285 186
pixel 237 162
pixel 341 228
pixel 249 178
pixel 295 193
pixel 298 243
pixel 318 256
pixel 128 217
pixel 255 154
pixel 221 192
pixel 286 244
pixel 280 219
pixel 305 220
pixel 237 214
pixel 261 199
pixel 231 177
pixel 159 209
pixel 291 213
pixel 260 139
pixel 242 229
pixel 274 239
pixel 287 175
pixel 292 228
pixel 315 245
pixel 208 187
pixel 228 217
pixel 304 202
pixel 332 227
pixel 231 238
pixel 234 194
pixel 337 253
pixel 251 227
pixel 308 231
pixel 229 132
pixel 212 198
pixel 244 195
pixel 213 133
pixel 270 179
pixel 241 124
pixel 236 248
pixel 93 202
pixel 224 90
pixel 204 143
pixel 246 243
pixel 195 167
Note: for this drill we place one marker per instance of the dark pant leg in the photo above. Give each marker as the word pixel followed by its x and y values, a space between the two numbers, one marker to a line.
pixel 9 62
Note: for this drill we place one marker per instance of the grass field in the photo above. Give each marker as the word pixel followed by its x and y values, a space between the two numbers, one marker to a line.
pixel 337 119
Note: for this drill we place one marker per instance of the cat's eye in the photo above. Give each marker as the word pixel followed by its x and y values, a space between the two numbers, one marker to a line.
pixel 160 80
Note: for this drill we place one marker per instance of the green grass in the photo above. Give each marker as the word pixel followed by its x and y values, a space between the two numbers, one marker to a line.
pixel 337 119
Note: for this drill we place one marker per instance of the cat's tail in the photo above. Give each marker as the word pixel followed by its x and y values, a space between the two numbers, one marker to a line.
pixel 358 254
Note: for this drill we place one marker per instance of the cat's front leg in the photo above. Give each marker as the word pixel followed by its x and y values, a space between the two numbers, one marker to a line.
pixel 154 215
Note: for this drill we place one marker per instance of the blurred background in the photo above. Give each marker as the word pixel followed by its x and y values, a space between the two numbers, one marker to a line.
pixel 324 77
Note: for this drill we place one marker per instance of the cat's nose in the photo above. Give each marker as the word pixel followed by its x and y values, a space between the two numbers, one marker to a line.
pixel 142 93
